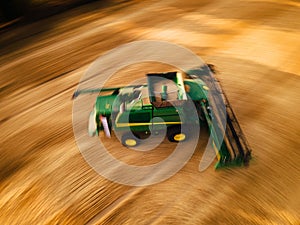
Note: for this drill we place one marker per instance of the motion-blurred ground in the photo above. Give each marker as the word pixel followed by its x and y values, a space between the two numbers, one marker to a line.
pixel 254 44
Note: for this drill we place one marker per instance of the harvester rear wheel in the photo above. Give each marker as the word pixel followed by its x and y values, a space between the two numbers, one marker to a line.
pixel 175 134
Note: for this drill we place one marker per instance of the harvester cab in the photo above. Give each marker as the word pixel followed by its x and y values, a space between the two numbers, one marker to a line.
pixel 166 89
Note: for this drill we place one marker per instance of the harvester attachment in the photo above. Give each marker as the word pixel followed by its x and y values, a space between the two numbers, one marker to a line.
pixel 228 139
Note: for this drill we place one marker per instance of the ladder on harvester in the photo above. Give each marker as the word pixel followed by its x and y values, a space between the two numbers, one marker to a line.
pixel 229 141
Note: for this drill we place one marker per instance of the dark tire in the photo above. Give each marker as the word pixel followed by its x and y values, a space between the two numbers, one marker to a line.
pixel 141 135
pixel 130 140
pixel 175 134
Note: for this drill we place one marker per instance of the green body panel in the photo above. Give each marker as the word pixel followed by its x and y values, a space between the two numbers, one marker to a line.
pixel 141 116
pixel 104 104
pixel 144 119
pixel 196 91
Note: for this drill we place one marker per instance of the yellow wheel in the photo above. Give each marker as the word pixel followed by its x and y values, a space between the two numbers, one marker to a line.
pixel 175 134
pixel 179 137
pixel 130 140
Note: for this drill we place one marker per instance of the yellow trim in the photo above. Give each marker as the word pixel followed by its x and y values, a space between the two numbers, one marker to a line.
pixel 216 150
pixel 130 142
pixel 179 137
pixel 205 87
pixel 144 124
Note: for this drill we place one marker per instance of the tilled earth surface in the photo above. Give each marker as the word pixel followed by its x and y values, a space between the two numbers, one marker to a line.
pixel 254 44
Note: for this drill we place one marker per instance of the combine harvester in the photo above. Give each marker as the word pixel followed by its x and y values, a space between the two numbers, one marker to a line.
pixel 131 110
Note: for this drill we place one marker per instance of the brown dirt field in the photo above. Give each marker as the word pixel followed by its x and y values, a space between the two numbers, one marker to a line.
pixel 254 44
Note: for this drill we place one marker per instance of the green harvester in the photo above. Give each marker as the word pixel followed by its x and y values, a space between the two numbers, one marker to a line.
pixel 132 111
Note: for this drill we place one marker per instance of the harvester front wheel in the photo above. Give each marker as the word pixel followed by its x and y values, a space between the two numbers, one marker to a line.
pixel 129 140
pixel 175 134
